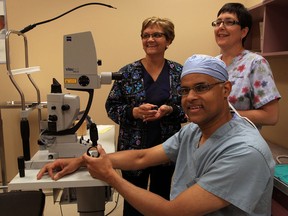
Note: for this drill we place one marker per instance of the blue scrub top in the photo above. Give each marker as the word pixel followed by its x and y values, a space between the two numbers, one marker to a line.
pixel 157 92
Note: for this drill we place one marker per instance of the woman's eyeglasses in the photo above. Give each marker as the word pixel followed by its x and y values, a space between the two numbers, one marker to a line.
pixel 153 35
pixel 226 22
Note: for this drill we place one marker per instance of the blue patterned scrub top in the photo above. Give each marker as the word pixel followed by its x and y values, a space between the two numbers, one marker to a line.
pixel 129 93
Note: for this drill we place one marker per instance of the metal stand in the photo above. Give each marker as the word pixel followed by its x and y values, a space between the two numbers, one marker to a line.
pixel 23 105
pixel 91 201
pixel 2 155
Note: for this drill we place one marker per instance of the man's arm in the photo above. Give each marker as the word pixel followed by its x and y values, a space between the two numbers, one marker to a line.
pixel 138 159
pixel 125 160
pixel 194 201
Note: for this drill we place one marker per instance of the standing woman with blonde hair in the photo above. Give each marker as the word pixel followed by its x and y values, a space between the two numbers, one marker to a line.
pixel 147 107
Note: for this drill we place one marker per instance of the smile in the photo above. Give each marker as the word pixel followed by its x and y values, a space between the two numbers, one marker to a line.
pixel 195 107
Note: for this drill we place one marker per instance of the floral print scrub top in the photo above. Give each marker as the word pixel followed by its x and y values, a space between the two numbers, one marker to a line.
pixel 252 81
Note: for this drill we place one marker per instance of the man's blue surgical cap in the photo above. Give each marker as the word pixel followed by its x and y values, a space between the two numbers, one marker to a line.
pixel 205 64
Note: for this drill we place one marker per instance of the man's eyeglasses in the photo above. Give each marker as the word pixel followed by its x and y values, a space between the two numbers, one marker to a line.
pixel 153 35
pixel 198 89
pixel 226 22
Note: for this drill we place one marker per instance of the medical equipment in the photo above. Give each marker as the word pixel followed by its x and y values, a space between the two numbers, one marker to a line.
pixel 58 133
pixel 26 107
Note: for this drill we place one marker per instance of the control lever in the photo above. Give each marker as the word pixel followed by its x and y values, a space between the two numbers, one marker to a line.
pixel 92 151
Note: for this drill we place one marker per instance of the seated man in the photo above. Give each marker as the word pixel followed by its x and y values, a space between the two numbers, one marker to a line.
pixel 223 165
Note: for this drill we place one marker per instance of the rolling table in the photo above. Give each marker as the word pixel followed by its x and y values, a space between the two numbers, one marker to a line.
pixel 91 193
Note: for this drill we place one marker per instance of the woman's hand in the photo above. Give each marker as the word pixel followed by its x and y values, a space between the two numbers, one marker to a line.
pixel 150 112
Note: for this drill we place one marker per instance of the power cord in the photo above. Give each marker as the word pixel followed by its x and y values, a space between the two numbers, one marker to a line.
pixel 116 204
pixel 278 158
pixel 30 27
pixel 248 120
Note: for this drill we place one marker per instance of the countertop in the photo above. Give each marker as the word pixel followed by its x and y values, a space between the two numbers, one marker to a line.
pixel 276 151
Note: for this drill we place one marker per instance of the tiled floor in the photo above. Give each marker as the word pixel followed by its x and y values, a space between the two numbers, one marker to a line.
pixel 55 209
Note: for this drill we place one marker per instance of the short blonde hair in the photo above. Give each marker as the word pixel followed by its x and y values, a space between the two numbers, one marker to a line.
pixel 164 23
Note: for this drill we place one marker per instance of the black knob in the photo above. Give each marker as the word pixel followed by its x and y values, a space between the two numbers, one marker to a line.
pixel 65 107
pixel 52 118
pixel 84 80
pixel 99 62
pixel 117 76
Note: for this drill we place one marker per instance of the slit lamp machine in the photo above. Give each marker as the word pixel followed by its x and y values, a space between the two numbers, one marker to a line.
pixel 58 132
pixel 64 118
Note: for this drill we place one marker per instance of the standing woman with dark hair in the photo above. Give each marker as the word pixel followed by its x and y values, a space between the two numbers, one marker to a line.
pixel 147 107
pixel 254 93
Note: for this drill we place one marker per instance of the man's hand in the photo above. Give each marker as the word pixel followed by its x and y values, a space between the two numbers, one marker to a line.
pixel 101 167
pixel 62 167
